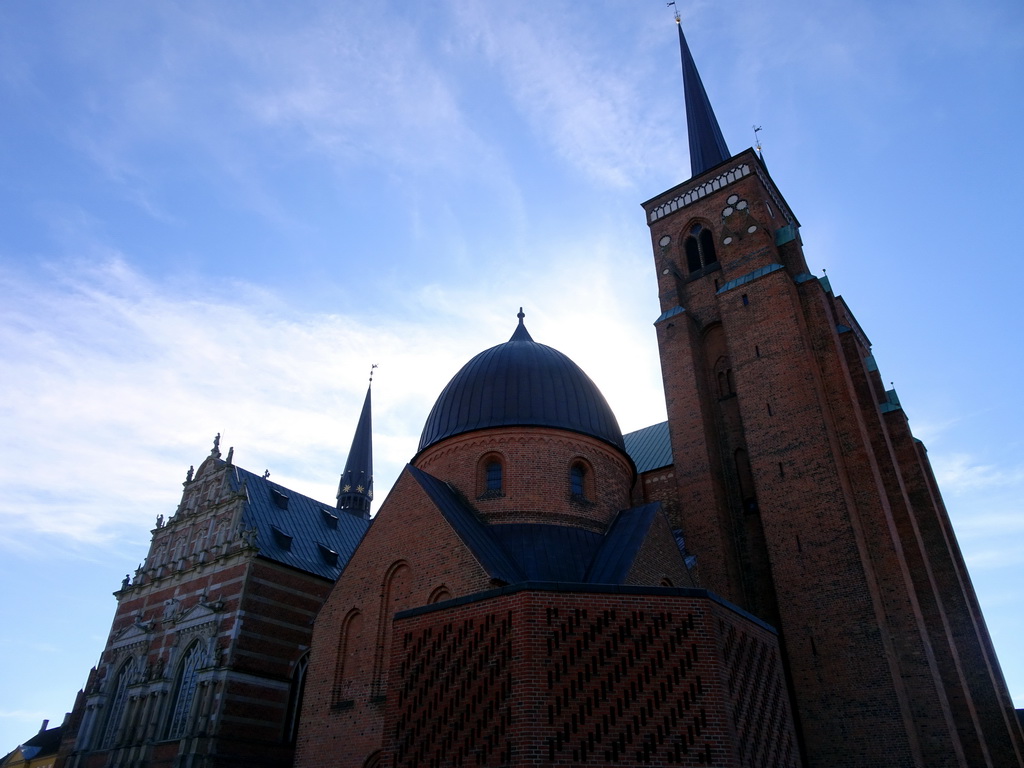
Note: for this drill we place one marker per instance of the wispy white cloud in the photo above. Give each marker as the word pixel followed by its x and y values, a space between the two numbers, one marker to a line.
pixel 961 473
pixel 114 384
pixel 583 101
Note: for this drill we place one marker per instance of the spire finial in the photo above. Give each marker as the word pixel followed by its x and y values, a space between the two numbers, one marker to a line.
pixel 675 10
pixel 521 315
pixel 216 447
pixel 372 366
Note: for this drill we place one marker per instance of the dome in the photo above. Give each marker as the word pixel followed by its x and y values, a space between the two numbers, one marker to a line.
pixel 521 384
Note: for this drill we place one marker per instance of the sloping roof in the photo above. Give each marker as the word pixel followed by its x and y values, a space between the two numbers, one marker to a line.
pixel 535 552
pixel 463 519
pixel 296 530
pixel 621 544
pixel 650 447
pixel 44 743
pixel 549 552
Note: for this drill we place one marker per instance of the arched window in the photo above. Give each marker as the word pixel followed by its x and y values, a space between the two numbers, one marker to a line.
pixel 185 690
pixel 491 476
pixel 350 644
pixel 118 700
pixel 439 594
pixel 298 688
pixel 576 477
pixel 581 481
pixel 396 594
pixel 700 249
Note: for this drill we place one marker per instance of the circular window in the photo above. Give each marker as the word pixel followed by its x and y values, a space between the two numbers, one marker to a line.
pixel 664 241
pixel 732 199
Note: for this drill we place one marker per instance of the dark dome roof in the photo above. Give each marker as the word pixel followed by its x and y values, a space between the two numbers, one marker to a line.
pixel 521 384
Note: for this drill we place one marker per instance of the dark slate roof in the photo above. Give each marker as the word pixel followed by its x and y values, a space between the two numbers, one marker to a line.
pixel 475 533
pixel 43 743
pixel 549 552
pixel 621 544
pixel 521 383
pixel 296 530
pixel 520 552
pixel 650 447
pixel 707 147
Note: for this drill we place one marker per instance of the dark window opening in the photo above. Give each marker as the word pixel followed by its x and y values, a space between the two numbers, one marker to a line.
pixel 699 247
pixel 295 695
pixel 577 475
pixel 494 476
pixel 491 477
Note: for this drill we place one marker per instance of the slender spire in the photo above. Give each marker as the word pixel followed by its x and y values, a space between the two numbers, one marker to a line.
pixel 355 491
pixel 707 147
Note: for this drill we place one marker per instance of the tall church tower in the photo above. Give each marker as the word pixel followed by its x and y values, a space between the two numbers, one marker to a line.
pixel 803 491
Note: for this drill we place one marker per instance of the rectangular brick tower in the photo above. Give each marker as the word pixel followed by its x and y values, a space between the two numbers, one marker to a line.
pixel 803 492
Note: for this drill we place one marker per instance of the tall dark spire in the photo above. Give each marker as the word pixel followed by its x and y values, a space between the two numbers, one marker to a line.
pixel 707 147
pixel 355 491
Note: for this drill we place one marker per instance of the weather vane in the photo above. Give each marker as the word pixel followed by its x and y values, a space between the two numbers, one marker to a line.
pixel 372 366
pixel 757 139
pixel 674 8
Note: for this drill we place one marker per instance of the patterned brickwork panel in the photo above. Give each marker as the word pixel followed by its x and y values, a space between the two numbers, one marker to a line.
pixel 624 688
pixel 454 705
pixel 755 687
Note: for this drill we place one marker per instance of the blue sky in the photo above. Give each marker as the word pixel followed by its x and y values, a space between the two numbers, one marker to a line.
pixel 215 216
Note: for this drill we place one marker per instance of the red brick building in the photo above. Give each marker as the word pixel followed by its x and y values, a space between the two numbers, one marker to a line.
pixel 516 603
pixel 207 655
pixel 523 596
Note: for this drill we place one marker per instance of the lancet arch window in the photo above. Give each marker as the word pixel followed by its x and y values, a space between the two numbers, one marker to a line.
pixel 699 248
pixel 118 700
pixel 298 689
pixel 186 683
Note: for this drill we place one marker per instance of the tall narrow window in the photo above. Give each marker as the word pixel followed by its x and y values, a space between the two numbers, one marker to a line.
pixel 118 699
pixel 185 690
pixel 494 476
pixel 700 249
pixel 490 476
pixel 577 478
pixel 298 688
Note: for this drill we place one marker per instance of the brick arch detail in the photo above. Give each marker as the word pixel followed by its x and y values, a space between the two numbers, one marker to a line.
pixel 394 596
pixel 349 643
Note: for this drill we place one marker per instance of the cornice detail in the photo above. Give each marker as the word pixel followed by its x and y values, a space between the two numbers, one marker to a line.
pixel 700 191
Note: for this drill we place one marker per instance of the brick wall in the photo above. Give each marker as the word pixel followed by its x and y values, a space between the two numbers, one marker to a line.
pixel 536 463
pixel 530 677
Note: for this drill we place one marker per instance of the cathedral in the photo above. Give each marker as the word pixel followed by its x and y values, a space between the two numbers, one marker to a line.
pixel 767 578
